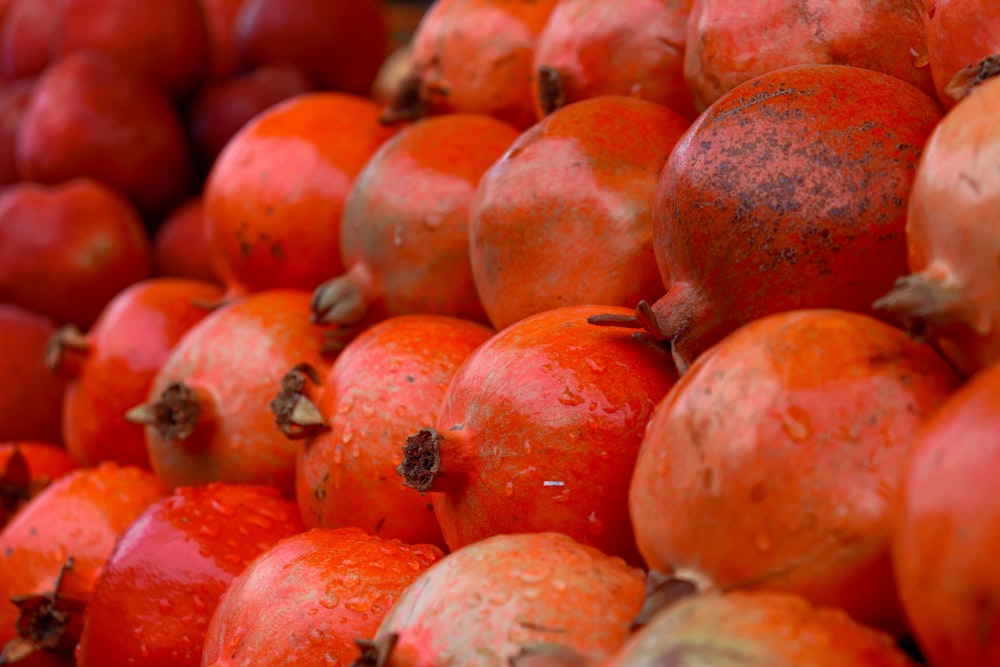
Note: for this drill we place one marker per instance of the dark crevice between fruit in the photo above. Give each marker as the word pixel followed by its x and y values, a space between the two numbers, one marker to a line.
pixel 406 103
pixel 67 338
pixel 421 460
pixel 662 591
pixel 48 622
pixel 968 78
pixel 551 90
pixel 375 652
pixel 16 485
pixel 174 416
pixel 296 416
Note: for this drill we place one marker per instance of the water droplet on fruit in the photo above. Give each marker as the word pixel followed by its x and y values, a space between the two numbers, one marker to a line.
pixel 143 651
pixel 346 436
pixel 594 366
pixel 499 597
pixel 569 398
pixel 559 585
pixel 368 409
pixel 330 601
pixel 762 541
pixel 531 593
pixel 199 604
pixel 797 425
pixel 313 611
pixel 527 447
pixel 137 633
pixel 345 406
pixel 165 606
pixel 221 507
pixel 358 603
pixel 316 636
pixel 534 573
pixel 209 530
pixel 350 580
pixel 433 220
pixel 338 455
pixel 415 565
pixel 261 522
pixel 508 489
pixel 594 525
pixel 397 237
pixel 920 60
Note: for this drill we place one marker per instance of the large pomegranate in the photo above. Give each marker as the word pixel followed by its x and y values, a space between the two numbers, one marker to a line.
pixel 788 192
pixel 958 33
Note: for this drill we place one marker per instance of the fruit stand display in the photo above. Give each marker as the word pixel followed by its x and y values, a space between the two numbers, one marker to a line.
pixel 541 333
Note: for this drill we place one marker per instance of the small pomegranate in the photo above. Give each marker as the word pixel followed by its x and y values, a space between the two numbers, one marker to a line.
pixel 112 367
pixel 26 36
pixel 953 233
pixel 384 385
pixel 207 418
pixel 306 599
pixel 154 598
pixel 958 34
pixel 590 48
pixel 180 244
pixel 947 528
pixel 26 469
pixel 417 191
pixel 502 593
pixel 773 461
pixel 583 181
pixel 539 430
pixel 730 42
pixel 789 192
pixel 473 56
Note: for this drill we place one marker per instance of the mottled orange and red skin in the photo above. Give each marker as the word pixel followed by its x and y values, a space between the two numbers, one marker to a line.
pixel 80 515
pixel 26 36
pixel 947 529
pixel 563 218
pixel 958 34
pixel 223 107
pixel 475 56
pixel 276 193
pixel 89 117
pixel 404 236
pixel 789 192
pixel 631 48
pixel 502 593
pixel 31 404
pixel 730 41
pixel 125 348
pixel 155 596
pixel 164 43
pixel 339 44
pixel 233 360
pixel 757 629
pixel 66 250
pixel 305 600
pixel 43 462
pixel 180 244
pixel 540 428
pixel 953 234
pixel 774 460
pixel 386 384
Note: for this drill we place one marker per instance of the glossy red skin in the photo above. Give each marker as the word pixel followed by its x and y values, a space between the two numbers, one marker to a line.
pixel 127 345
pixel 234 360
pixel 66 250
pixel 153 600
pixel 958 34
pixel 45 462
pixel 14 98
pixel 224 107
pixel 633 47
pixel 947 528
pixel 80 515
pixel 494 597
pixel 475 56
pixel 789 438
pixel 89 117
pixel 165 43
pixel 29 409
pixel 405 230
pixel 583 181
pixel 276 193
pixel 26 38
pixel 386 384
pixel 305 600
pixel 220 22
pixel 754 629
pixel 340 44
pixel 730 41
pixel 180 244
pixel 549 400
pixel 822 225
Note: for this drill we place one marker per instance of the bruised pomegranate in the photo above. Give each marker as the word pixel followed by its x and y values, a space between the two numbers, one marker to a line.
pixel 494 597
pixel 947 529
pixel 613 47
pixel 473 56
pixel 788 192
pixel 417 191
pixel 583 182
pixel 539 430
pixel 953 233
pixel 305 600
pixel 207 418
pixel 959 34
pixel 384 385
pixel 773 461
pixel 732 41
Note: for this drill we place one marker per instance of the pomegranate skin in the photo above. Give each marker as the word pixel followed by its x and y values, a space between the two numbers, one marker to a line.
pixel 958 33
pixel 789 192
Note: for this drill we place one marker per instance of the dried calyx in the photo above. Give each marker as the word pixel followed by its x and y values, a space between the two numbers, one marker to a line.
pixel 295 415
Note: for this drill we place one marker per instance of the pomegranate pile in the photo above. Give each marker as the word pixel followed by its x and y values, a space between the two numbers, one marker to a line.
pixel 489 333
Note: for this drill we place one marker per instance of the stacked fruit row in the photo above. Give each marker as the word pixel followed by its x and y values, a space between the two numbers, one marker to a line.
pixel 571 332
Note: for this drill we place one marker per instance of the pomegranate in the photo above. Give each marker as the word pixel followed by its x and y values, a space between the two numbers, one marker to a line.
pixel 958 34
